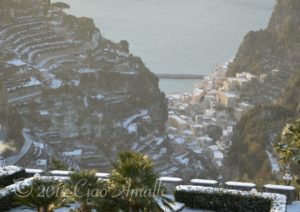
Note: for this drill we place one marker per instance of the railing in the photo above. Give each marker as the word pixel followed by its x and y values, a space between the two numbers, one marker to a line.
pixel 170 183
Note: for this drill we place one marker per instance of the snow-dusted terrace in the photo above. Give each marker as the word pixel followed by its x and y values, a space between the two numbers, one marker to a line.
pixel 27 19
pixel 36 41
pixel 19 34
pixel 29 83
pixel 33 35
pixel 50 48
pixel 53 62
pixel 18 27
pixel 16 62
pixel 35 47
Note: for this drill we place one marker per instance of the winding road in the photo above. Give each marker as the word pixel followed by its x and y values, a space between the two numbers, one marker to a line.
pixel 27 144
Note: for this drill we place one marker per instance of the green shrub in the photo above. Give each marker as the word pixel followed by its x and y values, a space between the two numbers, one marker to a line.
pixel 225 202
pixel 6 199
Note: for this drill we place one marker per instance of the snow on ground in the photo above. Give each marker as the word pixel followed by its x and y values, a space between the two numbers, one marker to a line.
pixel 76 82
pixel 280 187
pixel 132 118
pixel 56 83
pixel 135 145
pixel 32 82
pixel 26 147
pixel 273 161
pixel 16 62
pixel 170 179
pixel 9 170
pixel 203 181
pixel 28 96
pixel 295 207
pixel 183 159
pixel 132 128
pixel 98 97
pixel 242 184
pixel 159 141
pixel 85 102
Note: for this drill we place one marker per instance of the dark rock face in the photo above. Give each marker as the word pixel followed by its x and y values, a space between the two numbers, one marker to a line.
pixel 285 18
pixel 278 46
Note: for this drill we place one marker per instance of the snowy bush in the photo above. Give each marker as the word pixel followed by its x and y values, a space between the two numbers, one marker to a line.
pixel 229 200
pixel 10 174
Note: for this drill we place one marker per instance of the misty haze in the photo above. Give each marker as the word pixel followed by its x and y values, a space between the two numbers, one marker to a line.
pixel 153 105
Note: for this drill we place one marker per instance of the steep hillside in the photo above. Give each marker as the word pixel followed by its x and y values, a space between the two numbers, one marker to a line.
pixel 258 131
pixel 277 47
pixel 74 90
pixel 253 140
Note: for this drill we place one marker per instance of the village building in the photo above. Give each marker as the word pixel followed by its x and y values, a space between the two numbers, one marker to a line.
pixel 227 99
pixel 74 155
pixel 216 155
pixel 178 145
pixel 197 95
pixel 178 122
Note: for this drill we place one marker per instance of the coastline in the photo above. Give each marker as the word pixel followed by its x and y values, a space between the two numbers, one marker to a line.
pixel 187 86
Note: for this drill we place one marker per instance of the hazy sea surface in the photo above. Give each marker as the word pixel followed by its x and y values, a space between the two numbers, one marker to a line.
pixel 177 36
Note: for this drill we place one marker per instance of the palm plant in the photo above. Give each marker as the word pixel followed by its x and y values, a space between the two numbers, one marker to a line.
pixel 105 201
pixel 133 182
pixel 84 185
pixel 42 193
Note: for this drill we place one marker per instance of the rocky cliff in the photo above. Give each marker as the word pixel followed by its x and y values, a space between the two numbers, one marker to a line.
pixel 277 47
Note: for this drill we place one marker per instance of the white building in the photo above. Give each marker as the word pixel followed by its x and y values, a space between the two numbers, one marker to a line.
pixel 179 145
pixel 198 129
pixel 216 155
pixel 177 122
pixel 197 95
pixel 205 141
pixel 75 154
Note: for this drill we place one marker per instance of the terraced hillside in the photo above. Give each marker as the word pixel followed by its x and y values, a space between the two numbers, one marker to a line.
pixel 81 97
